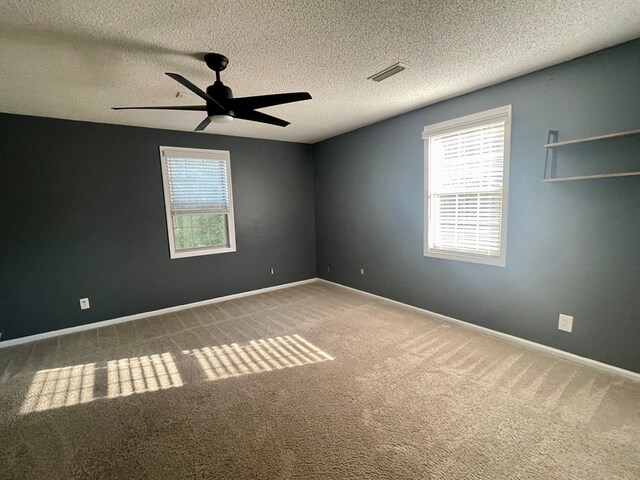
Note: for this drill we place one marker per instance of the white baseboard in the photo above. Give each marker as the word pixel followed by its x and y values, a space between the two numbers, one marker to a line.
pixel 162 311
pixel 538 346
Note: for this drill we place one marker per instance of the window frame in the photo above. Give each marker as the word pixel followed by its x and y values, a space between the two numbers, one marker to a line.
pixel 209 154
pixel 454 125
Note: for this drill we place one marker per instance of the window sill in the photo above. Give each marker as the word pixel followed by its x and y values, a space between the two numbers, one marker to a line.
pixel 199 252
pixel 471 258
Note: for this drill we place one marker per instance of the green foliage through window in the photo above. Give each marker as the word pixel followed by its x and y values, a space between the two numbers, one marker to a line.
pixel 200 230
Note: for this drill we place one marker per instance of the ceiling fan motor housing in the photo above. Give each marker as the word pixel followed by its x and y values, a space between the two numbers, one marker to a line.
pixel 220 92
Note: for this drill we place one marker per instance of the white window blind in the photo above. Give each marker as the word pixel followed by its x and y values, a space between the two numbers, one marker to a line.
pixel 466 164
pixel 198 201
pixel 197 185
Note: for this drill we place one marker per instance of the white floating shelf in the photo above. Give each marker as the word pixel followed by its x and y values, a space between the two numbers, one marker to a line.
pixel 592 139
pixel 589 177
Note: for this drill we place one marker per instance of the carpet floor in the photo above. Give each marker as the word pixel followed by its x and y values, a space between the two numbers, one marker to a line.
pixel 313 381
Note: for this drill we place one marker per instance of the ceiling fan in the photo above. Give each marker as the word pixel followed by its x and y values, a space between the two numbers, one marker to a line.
pixel 220 105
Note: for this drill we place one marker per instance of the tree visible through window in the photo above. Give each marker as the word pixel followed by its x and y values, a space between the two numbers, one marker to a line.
pixel 203 230
pixel 197 186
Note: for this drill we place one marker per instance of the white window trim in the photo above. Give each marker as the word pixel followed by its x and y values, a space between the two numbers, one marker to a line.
pixel 456 124
pixel 199 153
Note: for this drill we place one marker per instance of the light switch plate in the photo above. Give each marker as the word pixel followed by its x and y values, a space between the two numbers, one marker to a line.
pixel 84 304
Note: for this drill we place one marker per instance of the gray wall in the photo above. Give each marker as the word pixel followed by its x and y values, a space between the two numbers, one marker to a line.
pixel 82 215
pixel 573 247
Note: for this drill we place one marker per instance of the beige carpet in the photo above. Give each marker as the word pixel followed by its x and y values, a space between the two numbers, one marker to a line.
pixel 308 382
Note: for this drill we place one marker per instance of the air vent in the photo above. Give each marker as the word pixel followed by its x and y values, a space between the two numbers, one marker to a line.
pixel 388 72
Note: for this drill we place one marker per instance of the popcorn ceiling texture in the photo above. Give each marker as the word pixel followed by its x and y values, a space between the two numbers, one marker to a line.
pixel 70 59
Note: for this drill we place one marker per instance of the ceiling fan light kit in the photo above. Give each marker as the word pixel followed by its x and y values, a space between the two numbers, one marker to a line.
pixel 221 119
pixel 220 105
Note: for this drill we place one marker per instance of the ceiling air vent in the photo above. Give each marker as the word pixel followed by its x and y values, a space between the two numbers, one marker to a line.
pixel 388 72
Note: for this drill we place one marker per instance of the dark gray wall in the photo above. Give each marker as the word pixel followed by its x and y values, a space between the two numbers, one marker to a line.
pixel 82 215
pixel 573 248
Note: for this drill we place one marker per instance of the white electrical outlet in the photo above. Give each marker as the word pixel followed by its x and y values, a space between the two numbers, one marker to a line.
pixel 272 271
pixel 362 271
pixel 84 304
pixel 565 323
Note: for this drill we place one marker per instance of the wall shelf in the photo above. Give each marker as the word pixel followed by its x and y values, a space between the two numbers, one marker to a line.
pixel 589 177
pixel 592 139
pixel 553 143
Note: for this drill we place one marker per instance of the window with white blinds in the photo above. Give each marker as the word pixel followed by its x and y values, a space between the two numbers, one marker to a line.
pixel 466 176
pixel 198 201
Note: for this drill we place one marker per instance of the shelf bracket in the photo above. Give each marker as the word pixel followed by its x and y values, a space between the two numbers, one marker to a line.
pixel 552 137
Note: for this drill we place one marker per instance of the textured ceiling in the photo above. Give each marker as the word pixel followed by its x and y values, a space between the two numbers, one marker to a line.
pixel 76 59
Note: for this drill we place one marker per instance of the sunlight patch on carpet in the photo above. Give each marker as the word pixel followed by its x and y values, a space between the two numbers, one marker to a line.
pixel 60 387
pixel 264 355
pixel 75 385
pixel 79 384
pixel 142 374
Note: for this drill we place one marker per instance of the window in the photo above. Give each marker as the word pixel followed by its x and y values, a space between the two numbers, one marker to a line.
pixel 466 180
pixel 198 201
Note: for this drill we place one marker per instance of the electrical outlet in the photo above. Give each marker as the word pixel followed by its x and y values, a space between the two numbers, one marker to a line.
pixel 84 304
pixel 565 323
pixel 362 271
pixel 272 271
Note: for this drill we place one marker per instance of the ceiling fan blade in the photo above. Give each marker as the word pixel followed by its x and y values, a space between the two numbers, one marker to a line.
pixel 198 108
pixel 262 101
pixel 203 124
pixel 183 81
pixel 261 117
